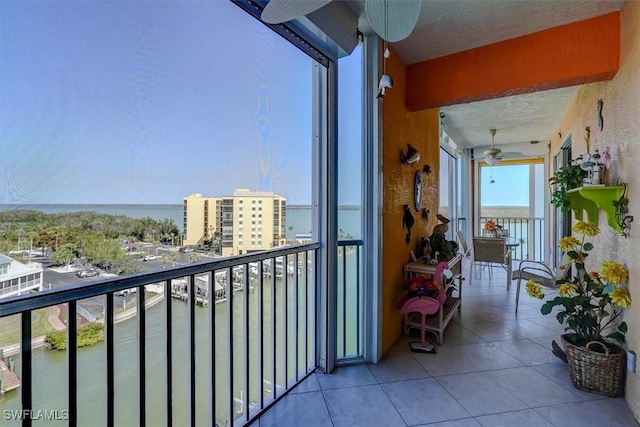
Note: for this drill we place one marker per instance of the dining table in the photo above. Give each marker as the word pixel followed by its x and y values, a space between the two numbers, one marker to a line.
pixel 511 243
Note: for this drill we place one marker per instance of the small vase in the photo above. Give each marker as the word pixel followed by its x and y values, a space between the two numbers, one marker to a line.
pixel 491 233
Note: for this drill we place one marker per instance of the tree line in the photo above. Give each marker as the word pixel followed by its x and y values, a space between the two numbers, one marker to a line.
pixel 97 237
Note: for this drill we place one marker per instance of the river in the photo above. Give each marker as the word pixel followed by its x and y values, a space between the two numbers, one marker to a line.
pixel 50 372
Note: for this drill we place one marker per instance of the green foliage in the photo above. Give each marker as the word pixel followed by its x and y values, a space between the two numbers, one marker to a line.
pixel 90 334
pixel 588 303
pixel 566 178
pixel 64 254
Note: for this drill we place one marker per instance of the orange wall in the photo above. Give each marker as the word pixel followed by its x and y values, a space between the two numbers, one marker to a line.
pixel 401 127
pixel 621 133
pixel 583 52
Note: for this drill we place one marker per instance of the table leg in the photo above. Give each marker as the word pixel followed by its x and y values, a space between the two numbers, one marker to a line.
pixel 508 269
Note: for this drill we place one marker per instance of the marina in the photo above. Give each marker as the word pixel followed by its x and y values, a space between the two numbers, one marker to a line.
pixel 8 379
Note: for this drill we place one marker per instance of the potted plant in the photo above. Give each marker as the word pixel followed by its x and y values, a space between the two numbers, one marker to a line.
pixel 490 228
pixel 590 304
pixel 566 178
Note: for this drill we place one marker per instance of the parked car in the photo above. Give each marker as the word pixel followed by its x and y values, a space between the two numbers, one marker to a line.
pixel 149 258
pixel 185 249
pixel 89 272
pixel 125 292
pixel 105 265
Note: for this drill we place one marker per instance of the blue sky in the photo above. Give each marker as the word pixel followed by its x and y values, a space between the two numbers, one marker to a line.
pixel 147 102
pixel 510 187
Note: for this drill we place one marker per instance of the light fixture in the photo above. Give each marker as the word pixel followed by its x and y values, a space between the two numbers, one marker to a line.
pixel 491 160
pixel 492 155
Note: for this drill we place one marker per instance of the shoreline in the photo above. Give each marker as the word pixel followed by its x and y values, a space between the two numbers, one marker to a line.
pixel 37 342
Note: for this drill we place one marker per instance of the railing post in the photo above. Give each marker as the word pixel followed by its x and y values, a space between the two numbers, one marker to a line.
pixel 26 377
pixel 72 363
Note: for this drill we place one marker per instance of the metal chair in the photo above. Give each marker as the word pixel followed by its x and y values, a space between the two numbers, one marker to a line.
pixel 466 250
pixel 539 272
pixel 489 251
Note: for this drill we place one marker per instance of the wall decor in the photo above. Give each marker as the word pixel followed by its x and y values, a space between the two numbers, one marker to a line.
pixel 600 118
pixel 426 169
pixel 417 190
pixel 411 156
pixel 407 222
pixel 622 213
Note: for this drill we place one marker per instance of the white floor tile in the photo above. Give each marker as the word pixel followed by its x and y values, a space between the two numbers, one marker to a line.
pixel 525 418
pixel 480 394
pixel 397 366
pixel 584 414
pixel 361 406
pixel 301 409
pixel 348 376
pixel 423 401
pixel 466 358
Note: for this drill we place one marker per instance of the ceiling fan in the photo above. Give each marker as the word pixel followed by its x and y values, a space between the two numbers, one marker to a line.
pixel 392 20
pixel 492 155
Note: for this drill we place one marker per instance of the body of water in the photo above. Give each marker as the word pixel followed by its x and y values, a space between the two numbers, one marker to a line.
pixel 50 366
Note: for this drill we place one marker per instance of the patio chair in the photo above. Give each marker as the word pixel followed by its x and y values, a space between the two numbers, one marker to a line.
pixel 539 272
pixel 466 250
pixel 489 251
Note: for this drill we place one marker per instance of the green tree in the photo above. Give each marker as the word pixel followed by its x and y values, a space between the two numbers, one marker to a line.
pixel 64 254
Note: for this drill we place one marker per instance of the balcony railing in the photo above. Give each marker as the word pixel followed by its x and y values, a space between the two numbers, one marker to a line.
pixel 529 231
pixel 245 336
pixel 350 303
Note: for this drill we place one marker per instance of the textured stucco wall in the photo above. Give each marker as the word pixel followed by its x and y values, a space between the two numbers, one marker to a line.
pixel 401 127
pixel 621 133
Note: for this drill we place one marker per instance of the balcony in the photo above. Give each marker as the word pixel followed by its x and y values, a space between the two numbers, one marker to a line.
pixel 237 334
pixel 493 368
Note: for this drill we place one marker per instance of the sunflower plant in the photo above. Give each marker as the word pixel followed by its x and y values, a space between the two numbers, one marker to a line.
pixel 591 302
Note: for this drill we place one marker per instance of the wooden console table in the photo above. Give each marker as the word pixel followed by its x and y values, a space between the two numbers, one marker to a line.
pixel 442 317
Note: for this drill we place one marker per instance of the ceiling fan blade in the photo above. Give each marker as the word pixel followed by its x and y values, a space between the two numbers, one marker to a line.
pixel 399 20
pixel 279 11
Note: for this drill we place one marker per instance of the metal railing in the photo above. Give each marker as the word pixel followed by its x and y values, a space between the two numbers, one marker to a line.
pixel 529 231
pixel 349 303
pixel 259 338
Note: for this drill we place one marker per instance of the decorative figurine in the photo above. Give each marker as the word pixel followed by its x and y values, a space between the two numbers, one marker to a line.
pixel 411 156
pixel 444 248
pixel 385 82
pixel 407 222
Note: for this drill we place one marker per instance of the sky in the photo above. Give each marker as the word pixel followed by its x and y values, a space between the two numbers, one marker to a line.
pixel 147 102
pixel 510 186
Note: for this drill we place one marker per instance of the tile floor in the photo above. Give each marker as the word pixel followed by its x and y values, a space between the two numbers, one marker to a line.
pixel 493 369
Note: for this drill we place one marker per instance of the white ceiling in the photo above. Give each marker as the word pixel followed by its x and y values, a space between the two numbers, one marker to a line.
pixel 448 26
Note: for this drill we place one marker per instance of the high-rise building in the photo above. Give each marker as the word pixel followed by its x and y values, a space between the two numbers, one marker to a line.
pixel 245 222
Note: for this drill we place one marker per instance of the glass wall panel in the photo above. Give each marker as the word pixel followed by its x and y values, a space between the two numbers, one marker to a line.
pixel 132 133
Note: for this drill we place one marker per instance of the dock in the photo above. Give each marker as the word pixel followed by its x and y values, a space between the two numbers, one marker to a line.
pixel 8 379
pixel 179 290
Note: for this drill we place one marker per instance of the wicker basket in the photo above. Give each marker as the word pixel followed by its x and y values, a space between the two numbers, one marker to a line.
pixel 601 373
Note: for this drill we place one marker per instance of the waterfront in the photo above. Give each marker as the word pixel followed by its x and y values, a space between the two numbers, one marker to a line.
pixel 298 216
pixel 49 367
pixel 50 372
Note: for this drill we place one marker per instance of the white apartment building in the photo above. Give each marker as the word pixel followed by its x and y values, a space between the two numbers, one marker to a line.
pixel 17 278
pixel 246 222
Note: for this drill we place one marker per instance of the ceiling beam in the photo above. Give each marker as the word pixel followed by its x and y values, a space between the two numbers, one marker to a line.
pixel 582 52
